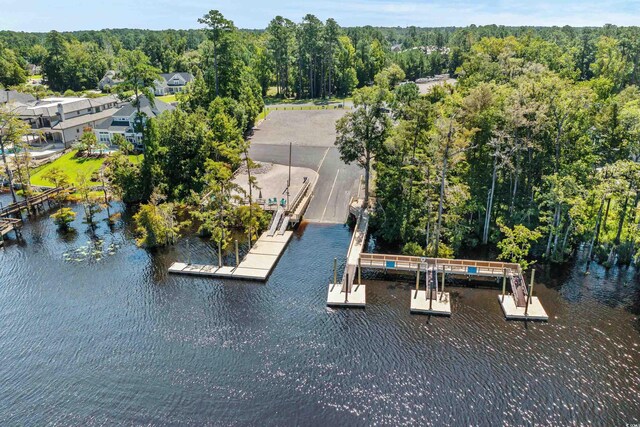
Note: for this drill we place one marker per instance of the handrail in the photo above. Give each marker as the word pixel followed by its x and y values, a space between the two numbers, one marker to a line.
pixel 303 191
pixel 441 261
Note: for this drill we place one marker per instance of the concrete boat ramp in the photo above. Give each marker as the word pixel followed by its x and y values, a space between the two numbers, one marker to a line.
pixel 256 265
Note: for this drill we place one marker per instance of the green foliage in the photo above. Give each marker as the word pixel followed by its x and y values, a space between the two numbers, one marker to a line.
pixel 156 224
pixel 63 217
pixel 516 244
pixel 389 77
pixel 71 64
pixel 362 132
pixel 88 143
pixel 412 249
pixel 11 67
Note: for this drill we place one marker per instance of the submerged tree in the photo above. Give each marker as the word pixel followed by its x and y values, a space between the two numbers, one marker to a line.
pixel 156 223
pixel 63 217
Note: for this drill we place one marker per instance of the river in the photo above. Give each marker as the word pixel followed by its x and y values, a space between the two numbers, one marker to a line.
pixel 94 331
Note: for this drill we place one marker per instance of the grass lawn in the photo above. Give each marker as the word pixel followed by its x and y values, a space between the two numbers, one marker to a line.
pixel 72 165
pixel 167 98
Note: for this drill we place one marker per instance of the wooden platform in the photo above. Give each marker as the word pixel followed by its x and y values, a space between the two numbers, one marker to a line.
pixel 256 265
pixel 511 312
pixel 440 306
pixel 337 298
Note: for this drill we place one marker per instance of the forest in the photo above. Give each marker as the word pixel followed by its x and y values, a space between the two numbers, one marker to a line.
pixel 534 151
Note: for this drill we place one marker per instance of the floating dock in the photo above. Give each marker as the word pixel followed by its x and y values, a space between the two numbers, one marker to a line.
pixel 534 311
pixel 256 265
pixel 439 304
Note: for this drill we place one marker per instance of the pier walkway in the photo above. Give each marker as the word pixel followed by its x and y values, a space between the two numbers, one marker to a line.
pixel 7 225
pixel 32 202
pixel 344 294
pixel 432 299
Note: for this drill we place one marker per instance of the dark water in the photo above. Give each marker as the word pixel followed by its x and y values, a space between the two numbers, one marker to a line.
pixel 95 332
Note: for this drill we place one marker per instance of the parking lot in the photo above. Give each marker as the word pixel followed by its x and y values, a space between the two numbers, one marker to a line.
pixel 313 134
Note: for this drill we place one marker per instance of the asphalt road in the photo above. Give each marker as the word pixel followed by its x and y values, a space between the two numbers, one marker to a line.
pixel 313 134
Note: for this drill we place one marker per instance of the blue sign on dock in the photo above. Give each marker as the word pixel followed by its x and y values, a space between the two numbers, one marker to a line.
pixel 391 264
pixel 472 270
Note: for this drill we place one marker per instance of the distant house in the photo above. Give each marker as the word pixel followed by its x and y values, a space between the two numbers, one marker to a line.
pixel 123 121
pixel 109 81
pixel 171 83
pixel 62 119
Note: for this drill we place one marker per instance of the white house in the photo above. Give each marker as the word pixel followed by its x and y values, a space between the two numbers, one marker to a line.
pixel 171 83
pixel 123 121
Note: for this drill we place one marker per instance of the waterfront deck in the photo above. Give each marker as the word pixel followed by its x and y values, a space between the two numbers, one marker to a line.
pixel 256 265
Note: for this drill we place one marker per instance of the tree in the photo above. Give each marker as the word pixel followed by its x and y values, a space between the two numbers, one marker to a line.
pixel 362 132
pixel 139 76
pixel 122 143
pixel 217 29
pixel 451 140
pixel 63 217
pixel 610 62
pixel 156 224
pixel 59 179
pixel 88 199
pixel 88 143
pixel 389 77
pixel 12 129
pixel 11 67
pixel 516 244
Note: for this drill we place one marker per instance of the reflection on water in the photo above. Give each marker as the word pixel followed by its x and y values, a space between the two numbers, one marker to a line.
pixel 94 331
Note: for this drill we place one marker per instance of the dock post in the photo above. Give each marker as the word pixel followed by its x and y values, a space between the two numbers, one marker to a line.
pixel 335 271
pixel 359 271
pixel 188 253
pixel 346 293
pixel 504 282
pixel 442 287
pixel 219 255
pixel 418 277
pixel 237 254
pixel 526 308
pixel 435 277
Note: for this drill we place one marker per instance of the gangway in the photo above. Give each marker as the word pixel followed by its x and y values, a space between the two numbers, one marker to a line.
pixel 275 222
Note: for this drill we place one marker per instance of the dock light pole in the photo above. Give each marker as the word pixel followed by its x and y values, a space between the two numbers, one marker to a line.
pixel 220 254
pixel 237 254
pixel 504 282
pixel 417 278
pixel 335 271
pixel 188 253
pixel 359 271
